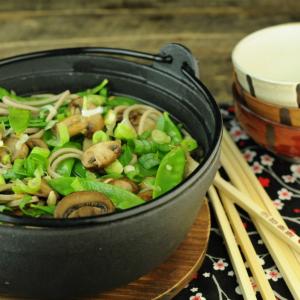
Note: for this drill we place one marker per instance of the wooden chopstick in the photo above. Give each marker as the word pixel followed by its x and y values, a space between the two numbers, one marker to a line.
pixel 254 186
pixel 245 202
pixel 281 253
pixel 232 247
pixel 247 248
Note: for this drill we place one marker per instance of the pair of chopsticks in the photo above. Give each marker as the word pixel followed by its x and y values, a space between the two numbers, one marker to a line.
pixel 246 191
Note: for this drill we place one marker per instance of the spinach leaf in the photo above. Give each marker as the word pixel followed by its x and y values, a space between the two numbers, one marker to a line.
pixel 18 119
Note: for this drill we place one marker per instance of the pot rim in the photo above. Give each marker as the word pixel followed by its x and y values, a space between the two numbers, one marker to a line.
pixel 148 206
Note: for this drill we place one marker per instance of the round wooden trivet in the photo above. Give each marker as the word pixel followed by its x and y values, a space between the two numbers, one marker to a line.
pixel 168 279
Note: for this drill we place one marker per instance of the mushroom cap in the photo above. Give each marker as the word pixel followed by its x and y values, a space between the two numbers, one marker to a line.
pixel 75 105
pixel 76 124
pixel 44 190
pixel 36 143
pixel 92 123
pixel 83 204
pixel 101 154
pixel 10 143
pixel 125 184
pixel 146 195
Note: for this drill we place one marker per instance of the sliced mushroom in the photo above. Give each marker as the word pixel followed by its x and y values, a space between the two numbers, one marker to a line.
pixel 10 143
pixel 44 190
pixel 134 118
pixel 83 204
pixel 94 123
pixel 125 184
pixel 36 143
pixel 75 106
pixel 101 155
pixel 76 124
pixel 145 195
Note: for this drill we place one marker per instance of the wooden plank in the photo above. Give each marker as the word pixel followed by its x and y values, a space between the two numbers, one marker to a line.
pixel 215 71
pixel 209 28
pixel 40 27
pixel 136 4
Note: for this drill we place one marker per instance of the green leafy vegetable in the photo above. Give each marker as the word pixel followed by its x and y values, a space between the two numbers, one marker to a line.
pixel 32 186
pixel 62 185
pixel 126 155
pixel 120 100
pixel 100 136
pixel 3 92
pixel 18 119
pixel 125 131
pixel 114 168
pixel 65 167
pixel 121 198
pixel 168 126
pixel 79 170
pixel 4 208
pixel 2 180
pixel 35 210
pixel 94 90
pixel 189 144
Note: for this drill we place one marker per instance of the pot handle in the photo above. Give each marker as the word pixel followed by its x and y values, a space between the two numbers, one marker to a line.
pixel 181 62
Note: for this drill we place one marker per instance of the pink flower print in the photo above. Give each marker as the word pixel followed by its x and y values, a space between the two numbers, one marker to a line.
pixel 288 178
pixel 257 168
pixel 224 112
pixel 198 296
pixel 249 155
pixel 237 133
pixel 273 274
pixel 284 194
pixel 267 160
pixel 220 265
pixel 254 284
pixel 278 204
pixel 295 170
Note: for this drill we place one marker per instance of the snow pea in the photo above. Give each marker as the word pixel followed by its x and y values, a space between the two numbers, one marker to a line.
pixel 170 171
pixel 66 166
pixel 121 198
pixel 168 126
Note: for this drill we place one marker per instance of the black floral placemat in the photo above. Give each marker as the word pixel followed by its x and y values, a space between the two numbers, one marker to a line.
pixel 281 179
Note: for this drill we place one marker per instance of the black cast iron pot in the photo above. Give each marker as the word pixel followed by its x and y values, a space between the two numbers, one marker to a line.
pixel 61 259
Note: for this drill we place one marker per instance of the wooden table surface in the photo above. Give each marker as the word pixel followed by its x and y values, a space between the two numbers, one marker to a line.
pixel 209 28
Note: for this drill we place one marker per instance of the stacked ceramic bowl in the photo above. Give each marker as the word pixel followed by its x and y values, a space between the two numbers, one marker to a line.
pixel 266 88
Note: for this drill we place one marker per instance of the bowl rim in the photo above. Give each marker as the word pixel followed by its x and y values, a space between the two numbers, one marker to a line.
pixel 213 152
pixel 237 86
pixel 263 119
pixel 255 77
